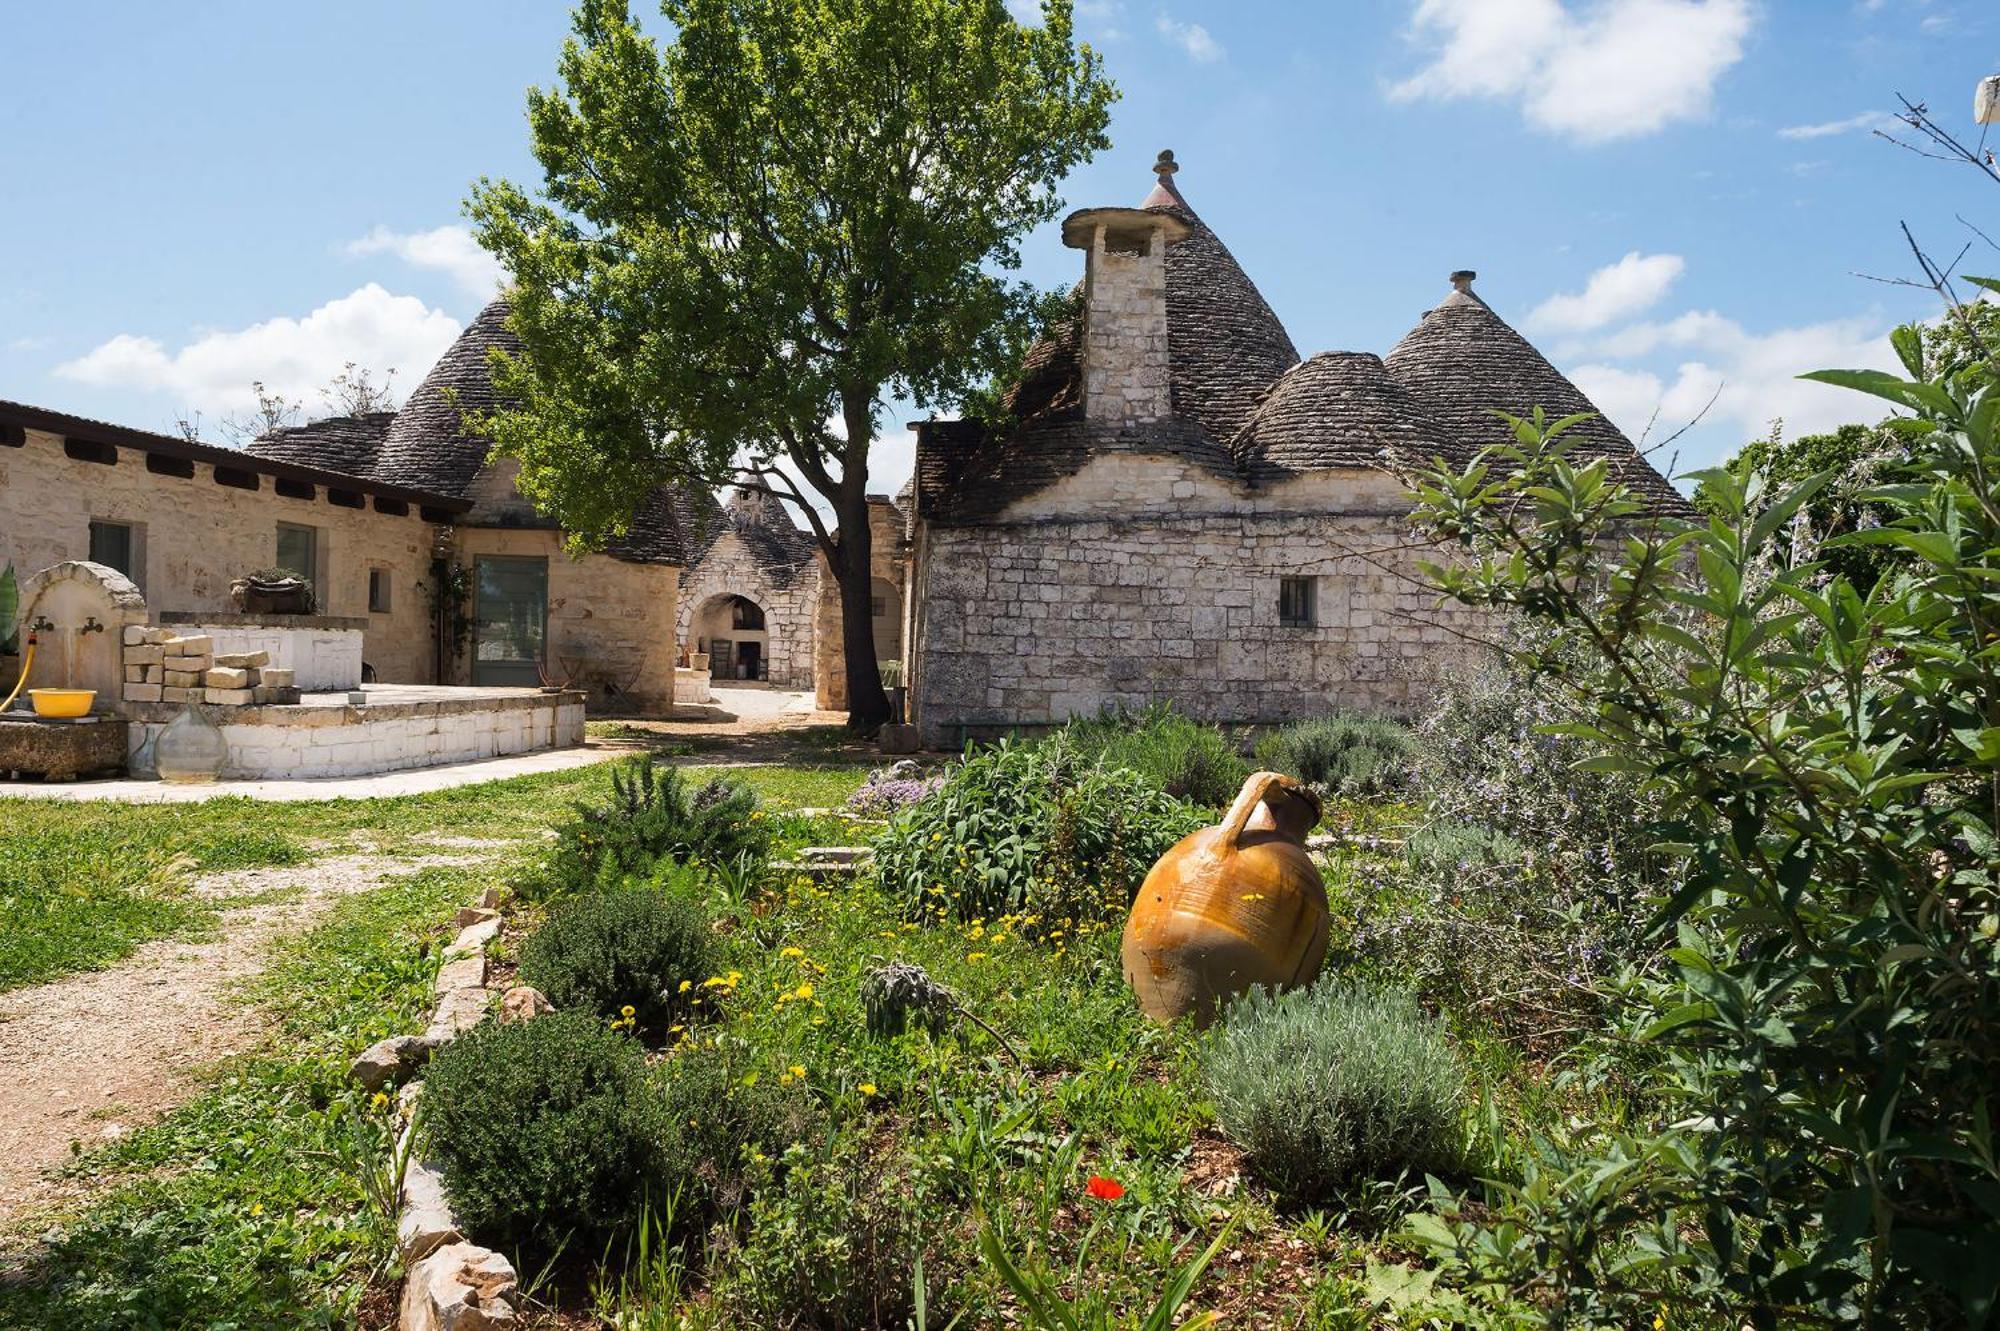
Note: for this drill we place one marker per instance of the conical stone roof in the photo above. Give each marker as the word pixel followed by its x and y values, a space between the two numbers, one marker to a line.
pixel 1339 409
pixel 428 446
pixel 1224 343
pixel 1463 361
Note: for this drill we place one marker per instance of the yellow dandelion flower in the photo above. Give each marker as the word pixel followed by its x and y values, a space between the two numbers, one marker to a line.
pixel 793 952
pixel 866 1088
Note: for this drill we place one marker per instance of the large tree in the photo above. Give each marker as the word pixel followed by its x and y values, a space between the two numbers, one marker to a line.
pixel 753 235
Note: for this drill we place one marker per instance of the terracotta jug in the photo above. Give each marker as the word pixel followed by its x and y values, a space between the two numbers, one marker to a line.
pixel 1231 906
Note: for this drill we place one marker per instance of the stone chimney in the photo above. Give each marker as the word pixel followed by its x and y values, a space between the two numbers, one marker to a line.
pixel 1125 371
pixel 1463 279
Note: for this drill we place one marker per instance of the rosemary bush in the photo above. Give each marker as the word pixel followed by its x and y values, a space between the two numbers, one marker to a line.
pixel 1354 756
pixel 1188 760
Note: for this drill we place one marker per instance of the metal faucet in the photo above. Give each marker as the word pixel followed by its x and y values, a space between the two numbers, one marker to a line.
pixel 90 625
pixel 41 624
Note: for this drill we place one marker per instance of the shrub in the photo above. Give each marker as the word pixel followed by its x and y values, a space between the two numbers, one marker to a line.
pixel 1188 760
pixel 1327 1085
pixel 1030 829
pixel 652 816
pixel 626 947
pixel 882 795
pixel 718 1119
pixel 1356 756
pixel 546 1131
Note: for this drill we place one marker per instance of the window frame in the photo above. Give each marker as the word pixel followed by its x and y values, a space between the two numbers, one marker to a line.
pixel 315 552
pixel 135 547
pixel 379 581
pixel 1305 614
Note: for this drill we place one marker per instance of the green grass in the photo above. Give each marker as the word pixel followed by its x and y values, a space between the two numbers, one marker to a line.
pixel 82 883
pixel 245 1207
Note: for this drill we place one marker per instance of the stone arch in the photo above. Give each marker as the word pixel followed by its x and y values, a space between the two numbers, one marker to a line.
pixel 742 637
pixel 887 605
pixel 86 607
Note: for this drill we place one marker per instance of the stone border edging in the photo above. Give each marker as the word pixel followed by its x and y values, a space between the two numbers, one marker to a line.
pixel 450 1283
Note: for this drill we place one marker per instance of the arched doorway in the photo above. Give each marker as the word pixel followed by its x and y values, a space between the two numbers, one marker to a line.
pixel 736 634
pixel 886 615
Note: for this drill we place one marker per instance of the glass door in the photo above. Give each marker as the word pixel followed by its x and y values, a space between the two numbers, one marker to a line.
pixel 510 619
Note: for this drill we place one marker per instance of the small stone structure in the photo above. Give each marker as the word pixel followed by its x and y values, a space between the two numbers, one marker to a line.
pixel 322 652
pixel 1184 511
pixel 399 728
pixel 79 612
pixel 61 750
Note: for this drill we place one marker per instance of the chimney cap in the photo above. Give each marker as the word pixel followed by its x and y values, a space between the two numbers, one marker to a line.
pixel 1165 165
pixel 1463 279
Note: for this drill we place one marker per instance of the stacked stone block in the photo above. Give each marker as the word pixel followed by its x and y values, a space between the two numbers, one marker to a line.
pixel 162 666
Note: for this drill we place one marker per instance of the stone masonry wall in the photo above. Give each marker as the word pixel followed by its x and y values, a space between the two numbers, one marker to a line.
pixel 609 620
pixel 1125 368
pixel 192 536
pixel 1052 617
pixel 729 569
pixel 889 563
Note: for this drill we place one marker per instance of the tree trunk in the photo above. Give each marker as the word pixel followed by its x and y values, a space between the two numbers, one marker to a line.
pixel 867 702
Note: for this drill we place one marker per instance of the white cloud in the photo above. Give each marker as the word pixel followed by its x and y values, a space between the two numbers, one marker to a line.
pixel 1829 128
pixel 1753 377
pixel 1607 70
pixel 449 249
pixel 293 358
pixel 1193 39
pixel 1617 291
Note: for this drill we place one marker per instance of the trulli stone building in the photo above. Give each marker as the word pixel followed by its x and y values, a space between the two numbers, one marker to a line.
pixel 1184 510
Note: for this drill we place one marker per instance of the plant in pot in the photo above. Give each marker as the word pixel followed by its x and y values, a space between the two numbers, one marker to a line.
pixel 272 591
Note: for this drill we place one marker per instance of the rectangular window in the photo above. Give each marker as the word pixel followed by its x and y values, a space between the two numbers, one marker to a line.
pixel 378 591
pixel 114 544
pixel 1295 603
pixel 298 550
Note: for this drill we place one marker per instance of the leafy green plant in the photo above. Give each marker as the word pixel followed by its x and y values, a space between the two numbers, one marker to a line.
pixel 10 610
pixel 641 947
pixel 1029 829
pixel 1819 1145
pixel 547 1132
pixel 1047 1310
pixel 1356 756
pixel 1331 1085
pixel 651 816
pixel 1183 757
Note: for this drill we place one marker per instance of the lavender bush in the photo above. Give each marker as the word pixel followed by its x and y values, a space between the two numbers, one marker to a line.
pixel 883 796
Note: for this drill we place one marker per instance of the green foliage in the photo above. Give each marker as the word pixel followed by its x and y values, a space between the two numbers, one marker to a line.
pixel 1183 757
pixel 1343 755
pixel 786 214
pixel 1029 829
pixel 653 816
pixel 1330 1085
pixel 546 1131
pixel 1854 459
pixel 632 946
pixel 1527 877
pixel 1817 1139
pixel 10 610
pixel 1042 1299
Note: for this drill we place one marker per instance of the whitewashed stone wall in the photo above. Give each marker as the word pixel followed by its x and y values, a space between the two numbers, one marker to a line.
pixel 729 569
pixel 285 743
pixel 1052 615
pixel 322 655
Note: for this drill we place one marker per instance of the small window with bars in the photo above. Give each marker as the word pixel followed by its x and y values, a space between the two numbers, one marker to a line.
pixel 1295 603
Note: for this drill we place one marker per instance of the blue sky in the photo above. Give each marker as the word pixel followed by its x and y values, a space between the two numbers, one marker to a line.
pixel 1670 196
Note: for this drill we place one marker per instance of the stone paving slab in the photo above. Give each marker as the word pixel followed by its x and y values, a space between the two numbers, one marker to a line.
pixel 413 781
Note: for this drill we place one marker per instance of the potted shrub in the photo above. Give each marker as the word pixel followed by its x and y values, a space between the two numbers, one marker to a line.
pixel 272 591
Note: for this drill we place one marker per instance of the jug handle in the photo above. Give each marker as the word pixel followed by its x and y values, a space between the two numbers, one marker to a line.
pixel 1253 793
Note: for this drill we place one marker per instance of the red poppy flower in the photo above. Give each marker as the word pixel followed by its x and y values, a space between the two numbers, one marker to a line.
pixel 1104 1189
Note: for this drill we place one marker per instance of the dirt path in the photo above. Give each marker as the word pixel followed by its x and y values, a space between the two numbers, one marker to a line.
pixel 88 1057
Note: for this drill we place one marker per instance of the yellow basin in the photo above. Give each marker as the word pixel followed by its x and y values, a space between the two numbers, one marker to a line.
pixel 62 702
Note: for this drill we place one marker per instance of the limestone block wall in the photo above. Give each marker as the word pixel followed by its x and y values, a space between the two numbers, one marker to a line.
pixel 790 608
pixel 1125 365
pixel 1047 617
pixel 193 535
pixel 609 620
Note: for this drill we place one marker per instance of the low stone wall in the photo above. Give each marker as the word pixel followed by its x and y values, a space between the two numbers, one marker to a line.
pixel 327 738
pixel 323 652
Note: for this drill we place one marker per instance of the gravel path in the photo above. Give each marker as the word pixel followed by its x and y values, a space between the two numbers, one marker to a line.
pixel 88 1057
